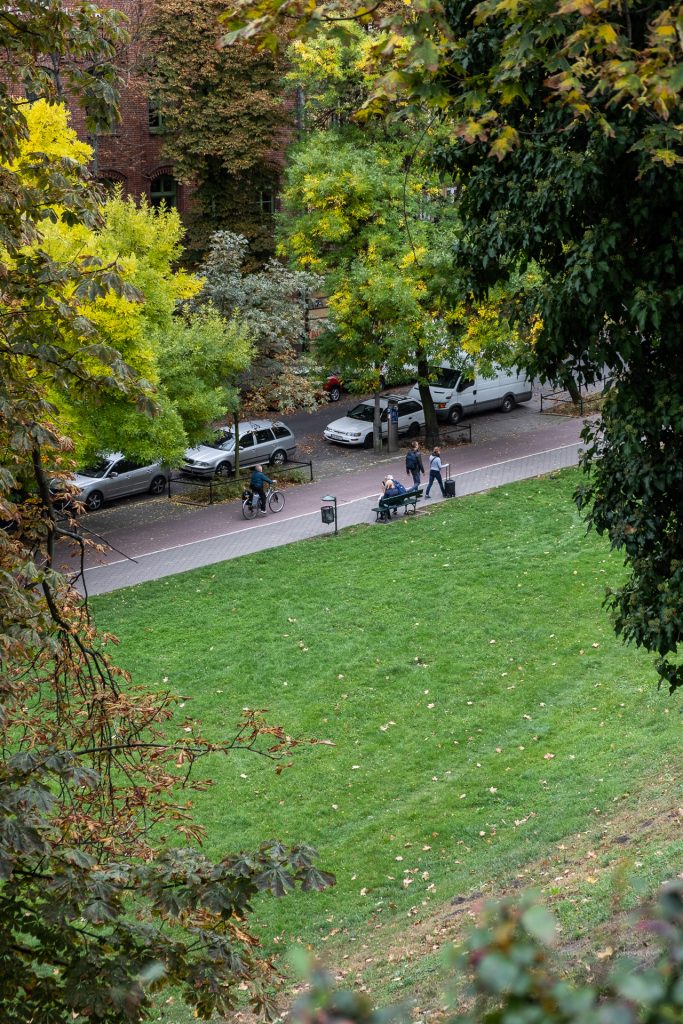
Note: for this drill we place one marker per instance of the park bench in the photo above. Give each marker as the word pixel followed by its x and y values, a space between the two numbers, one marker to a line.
pixel 390 506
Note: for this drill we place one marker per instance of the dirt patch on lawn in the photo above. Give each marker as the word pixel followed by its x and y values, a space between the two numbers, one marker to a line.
pixel 404 956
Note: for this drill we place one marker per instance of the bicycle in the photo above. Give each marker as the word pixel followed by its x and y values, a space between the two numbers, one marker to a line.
pixel 275 501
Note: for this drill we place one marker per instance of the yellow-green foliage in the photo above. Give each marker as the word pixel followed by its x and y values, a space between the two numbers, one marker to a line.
pixel 142 246
pixel 50 134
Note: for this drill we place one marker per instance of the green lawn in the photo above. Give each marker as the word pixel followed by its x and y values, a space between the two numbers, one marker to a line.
pixel 481 708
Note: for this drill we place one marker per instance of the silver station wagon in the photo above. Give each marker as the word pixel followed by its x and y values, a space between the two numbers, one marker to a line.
pixel 260 441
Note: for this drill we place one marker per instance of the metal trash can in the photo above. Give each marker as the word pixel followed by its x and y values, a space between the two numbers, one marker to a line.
pixel 449 488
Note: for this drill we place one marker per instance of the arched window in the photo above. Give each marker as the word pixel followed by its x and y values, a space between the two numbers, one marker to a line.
pixel 163 189
pixel 108 180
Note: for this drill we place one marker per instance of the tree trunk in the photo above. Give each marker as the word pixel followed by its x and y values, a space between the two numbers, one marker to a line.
pixel 431 422
pixel 237 445
pixel 572 387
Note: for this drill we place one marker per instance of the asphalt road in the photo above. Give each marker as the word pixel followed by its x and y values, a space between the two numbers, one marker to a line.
pixel 331 460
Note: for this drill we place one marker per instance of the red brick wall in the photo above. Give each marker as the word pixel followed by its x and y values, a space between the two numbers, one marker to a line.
pixel 131 154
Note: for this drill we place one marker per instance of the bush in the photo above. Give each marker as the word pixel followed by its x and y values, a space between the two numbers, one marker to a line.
pixel 515 978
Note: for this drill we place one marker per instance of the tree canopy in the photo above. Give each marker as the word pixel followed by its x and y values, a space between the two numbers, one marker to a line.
pixel 224 123
pixel 94 921
pixel 365 206
pixel 564 124
pixel 272 305
pixel 186 363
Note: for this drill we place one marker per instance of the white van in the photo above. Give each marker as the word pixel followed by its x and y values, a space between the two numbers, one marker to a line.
pixel 456 393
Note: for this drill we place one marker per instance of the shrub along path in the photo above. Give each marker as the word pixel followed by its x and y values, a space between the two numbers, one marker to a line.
pixel 489 729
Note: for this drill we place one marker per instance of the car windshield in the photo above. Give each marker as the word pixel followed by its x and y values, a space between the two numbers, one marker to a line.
pixel 445 378
pixel 223 439
pixel 362 412
pixel 97 469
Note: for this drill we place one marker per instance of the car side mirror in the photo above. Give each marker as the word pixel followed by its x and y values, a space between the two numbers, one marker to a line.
pixel 113 474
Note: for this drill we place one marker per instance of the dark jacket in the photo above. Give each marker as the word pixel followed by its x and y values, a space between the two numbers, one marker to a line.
pixel 391 492
pixel 258 479
pixel 414 461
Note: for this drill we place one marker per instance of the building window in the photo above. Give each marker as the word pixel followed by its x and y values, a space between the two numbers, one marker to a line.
pixel 267 202
pixel 110 181
pixel 163 189
pixel 425 208
pixel 156 118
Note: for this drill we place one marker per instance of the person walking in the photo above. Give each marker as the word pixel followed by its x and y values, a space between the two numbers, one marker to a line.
pixel 414 465
pixel 257 484
pixel 435 472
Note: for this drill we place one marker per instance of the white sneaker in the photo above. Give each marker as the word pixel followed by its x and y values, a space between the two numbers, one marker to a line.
pixel 261 512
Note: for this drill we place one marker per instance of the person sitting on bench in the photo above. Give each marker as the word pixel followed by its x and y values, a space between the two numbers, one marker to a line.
pixel 392 489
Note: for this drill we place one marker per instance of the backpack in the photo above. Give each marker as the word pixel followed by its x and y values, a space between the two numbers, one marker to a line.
pixel 411 461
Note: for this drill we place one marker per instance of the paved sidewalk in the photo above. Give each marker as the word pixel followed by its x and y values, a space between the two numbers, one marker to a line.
pixel 219 532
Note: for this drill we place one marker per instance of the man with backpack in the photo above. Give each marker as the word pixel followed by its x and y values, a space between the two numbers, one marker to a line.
pixel 414 465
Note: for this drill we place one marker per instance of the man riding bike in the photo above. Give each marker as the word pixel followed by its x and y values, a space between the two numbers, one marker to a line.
pixel 257 484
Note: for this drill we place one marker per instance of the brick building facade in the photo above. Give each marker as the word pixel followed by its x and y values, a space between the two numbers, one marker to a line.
pixel 131 153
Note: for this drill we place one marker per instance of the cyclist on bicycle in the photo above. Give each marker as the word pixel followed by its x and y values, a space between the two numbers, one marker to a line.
pixel 257 484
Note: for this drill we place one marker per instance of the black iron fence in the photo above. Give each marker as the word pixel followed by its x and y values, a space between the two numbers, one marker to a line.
pixel 561 398
pixel 461 433
pixel 196 490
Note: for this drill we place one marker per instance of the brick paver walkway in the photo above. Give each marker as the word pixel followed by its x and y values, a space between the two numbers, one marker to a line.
pixel 219 533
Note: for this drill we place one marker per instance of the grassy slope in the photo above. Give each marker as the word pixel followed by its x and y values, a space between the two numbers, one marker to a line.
pixel 447 658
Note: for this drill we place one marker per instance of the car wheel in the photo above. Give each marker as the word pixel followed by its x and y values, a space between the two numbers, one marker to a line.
pixel 94 501
pixel 334 393
pixel 414 429
pixel 158 485
pixel 455 414
pixel 223 469
pixel 278 458
pixel 369 441
pixel 508 403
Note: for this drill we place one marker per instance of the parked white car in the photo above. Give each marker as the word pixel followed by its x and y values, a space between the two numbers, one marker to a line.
pixel 356 427
pixel 457 393
pixel 260 441
pixel 112 476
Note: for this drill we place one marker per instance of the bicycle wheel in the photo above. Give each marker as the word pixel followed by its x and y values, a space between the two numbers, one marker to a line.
pixel 248 510
pixel 276 501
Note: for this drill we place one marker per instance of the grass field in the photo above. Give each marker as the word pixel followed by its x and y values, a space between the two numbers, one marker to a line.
pixel 489 729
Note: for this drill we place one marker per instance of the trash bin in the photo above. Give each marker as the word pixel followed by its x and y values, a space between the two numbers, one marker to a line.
pixel 449 488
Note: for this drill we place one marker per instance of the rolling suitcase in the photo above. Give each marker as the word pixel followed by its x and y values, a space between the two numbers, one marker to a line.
pixel 449 488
